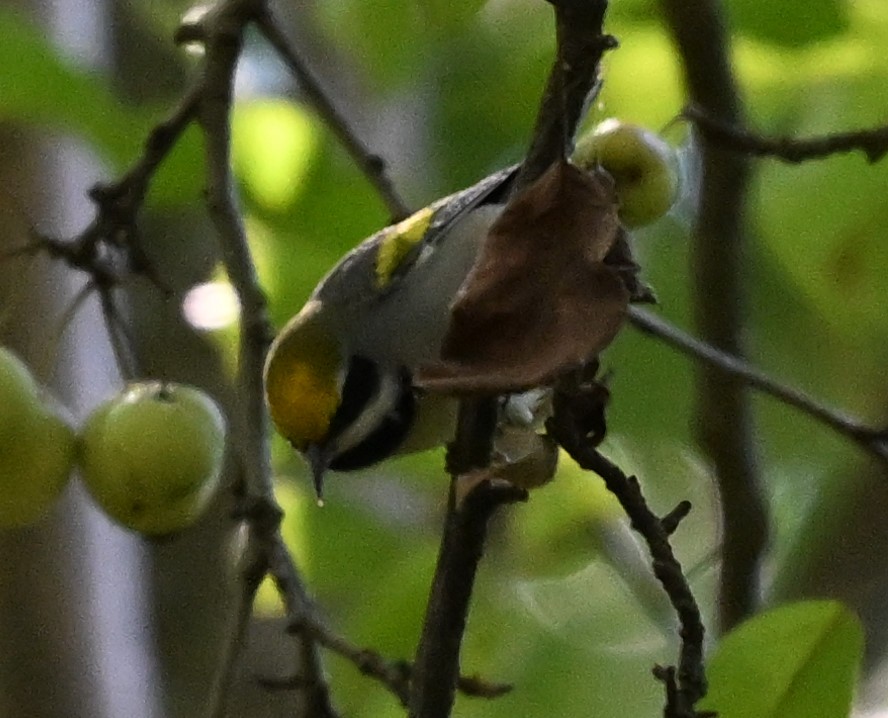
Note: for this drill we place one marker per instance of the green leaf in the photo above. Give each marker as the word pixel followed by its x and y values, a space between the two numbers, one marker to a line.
pixel 822 220
pixel 797 661
pixel 38 86
pixel 832 247
pixel 792 22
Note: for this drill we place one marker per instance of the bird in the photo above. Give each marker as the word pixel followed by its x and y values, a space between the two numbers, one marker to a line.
pixel 339 376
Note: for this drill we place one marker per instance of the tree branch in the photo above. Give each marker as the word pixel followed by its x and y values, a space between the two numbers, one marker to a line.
pixel 436 669
pixel 303 619
pixel 576 426
pixel 573 78
pixel 109 250
pixel 573 82
pixel 220 30
pixel 372 165
pixel 872 440
pixel 724 419
pixel 872 142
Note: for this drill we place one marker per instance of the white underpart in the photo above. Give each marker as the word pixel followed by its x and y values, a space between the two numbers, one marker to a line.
pixel 530 409
pixel 381 404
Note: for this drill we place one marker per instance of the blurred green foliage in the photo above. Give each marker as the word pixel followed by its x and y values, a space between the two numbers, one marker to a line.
pixel 40 87
pixel 556 611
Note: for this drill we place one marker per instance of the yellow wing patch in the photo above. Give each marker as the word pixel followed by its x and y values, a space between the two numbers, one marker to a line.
pixel 302 380
pixel 398 241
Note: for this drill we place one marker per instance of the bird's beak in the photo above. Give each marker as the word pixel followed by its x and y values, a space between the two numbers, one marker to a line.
pixel 319 460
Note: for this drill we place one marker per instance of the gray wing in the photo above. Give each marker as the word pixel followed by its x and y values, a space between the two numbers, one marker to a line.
pixel 451 208
pixel 351 280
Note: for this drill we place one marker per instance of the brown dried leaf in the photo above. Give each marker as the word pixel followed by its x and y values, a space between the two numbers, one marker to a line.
pixel 539 300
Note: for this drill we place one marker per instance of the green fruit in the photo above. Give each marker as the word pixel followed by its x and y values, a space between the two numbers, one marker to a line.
pixel 37 447
pixel 643 166
pixel 152 456
pixel 20 393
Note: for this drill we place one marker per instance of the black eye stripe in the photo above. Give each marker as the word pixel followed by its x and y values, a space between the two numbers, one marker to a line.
pixel 386 438
pixel 361 384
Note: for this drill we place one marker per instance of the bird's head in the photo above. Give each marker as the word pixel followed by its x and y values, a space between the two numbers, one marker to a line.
pixel 342 411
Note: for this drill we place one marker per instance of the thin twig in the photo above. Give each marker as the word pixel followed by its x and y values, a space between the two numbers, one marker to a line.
pixel 873 142
pixel 395 675
pixel 118 203
pixel 223 44
pixel 221 30
pixel 110 241
pixel 304 619
pixel 48 360
pixel 122 342
pixel 724 420
pixel 123 198
pixel 873 440
pixel 372 165
pixel 570 428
